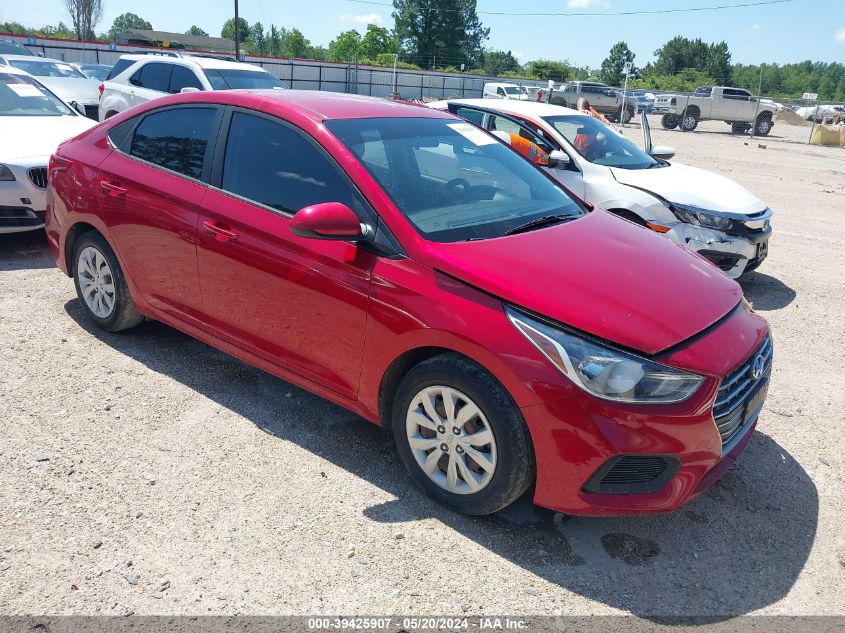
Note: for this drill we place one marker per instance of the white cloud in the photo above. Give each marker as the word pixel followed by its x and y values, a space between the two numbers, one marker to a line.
pixel 755 27
pixel 840 35
pixel 369 18
pixel 587 4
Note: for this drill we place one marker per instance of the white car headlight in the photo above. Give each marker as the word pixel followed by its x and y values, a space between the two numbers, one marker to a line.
pixel 604 372
pixel 701 217
pixel 6 173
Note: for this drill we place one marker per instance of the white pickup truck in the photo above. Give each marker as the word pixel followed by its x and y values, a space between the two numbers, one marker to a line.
pixel 735 106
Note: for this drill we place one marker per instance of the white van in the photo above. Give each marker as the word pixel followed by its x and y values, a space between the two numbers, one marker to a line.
pixel 504 91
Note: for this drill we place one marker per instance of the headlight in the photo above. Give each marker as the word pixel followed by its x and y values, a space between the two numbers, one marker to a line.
pixel 6 173
pixel 701 217
pixel 604 372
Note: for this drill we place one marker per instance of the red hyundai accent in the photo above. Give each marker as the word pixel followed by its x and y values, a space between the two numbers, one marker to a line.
pixel 409 267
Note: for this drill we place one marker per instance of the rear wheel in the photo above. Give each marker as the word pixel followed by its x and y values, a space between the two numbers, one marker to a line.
pixel 740 128
pixel 669 121
pixel 101 286
pixel 461 437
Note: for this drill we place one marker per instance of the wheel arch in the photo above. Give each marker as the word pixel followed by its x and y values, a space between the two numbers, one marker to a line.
pixel 694 110
pixel 74 233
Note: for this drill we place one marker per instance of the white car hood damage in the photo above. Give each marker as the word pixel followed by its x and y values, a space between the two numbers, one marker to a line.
pixel 37 136
pixel 689 185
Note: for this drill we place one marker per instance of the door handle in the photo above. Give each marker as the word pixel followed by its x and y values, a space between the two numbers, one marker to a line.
pixel 113 190
pixel 220 233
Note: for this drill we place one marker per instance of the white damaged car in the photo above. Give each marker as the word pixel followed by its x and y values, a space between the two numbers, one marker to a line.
pixel 703 211
pixel 33 121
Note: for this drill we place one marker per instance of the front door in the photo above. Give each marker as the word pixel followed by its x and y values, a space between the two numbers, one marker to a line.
pixel 297 302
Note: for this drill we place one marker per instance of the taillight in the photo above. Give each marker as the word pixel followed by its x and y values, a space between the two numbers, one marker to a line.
pixel 57 164
pixel 101 87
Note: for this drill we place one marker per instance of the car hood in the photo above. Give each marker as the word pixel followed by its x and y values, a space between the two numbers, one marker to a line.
pixel 83 91
pixel 37 136
pixel 599 274
pixel 693 186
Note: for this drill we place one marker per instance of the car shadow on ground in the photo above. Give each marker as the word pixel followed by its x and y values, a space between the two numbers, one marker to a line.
pixel 27 250
pixel 737 548
pixel 766 292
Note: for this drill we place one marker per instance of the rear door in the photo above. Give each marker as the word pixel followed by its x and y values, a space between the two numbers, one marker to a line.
pixel 299 303
pixel 152 80
pixel 152 185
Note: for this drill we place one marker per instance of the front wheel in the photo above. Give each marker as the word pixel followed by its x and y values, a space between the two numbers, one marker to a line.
pixel 763 125
pixel 669 121
pixel 627 115
pixel 689 121
pixel 461 437
pixel 101 286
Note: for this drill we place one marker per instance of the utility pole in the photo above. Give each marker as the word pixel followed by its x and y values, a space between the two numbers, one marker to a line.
pixel 237 34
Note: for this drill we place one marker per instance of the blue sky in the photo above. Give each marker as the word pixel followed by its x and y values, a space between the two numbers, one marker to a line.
pixel 789 32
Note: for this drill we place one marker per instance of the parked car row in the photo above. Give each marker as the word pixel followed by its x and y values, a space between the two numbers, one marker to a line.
pixel 405 263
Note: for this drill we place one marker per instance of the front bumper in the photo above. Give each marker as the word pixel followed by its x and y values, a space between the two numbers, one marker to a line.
pixel 577 437
pixel 22 203
pixel 733 254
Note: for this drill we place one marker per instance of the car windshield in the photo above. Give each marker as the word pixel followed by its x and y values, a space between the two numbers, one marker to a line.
pixel 96 72
pixel 23 96
pixel 599 144
pixel 242 79
pixel 40 68
pixel 453 181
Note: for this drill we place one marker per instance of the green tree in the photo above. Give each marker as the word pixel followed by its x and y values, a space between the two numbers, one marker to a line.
pixel 550 69
pixel 228 29
pixel 499 63
pixel 292 43
pixel 376 41
pixel 447 30
pixel 612 67
pixel 127 21
pixel 259 43
pixel 345 46
pixel 195 30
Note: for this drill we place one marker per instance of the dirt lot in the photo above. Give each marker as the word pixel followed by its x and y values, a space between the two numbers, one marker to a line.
pixel 147 473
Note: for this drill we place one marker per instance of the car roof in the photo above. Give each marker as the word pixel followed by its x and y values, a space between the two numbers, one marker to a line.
pixel 535 108
pixel 188 60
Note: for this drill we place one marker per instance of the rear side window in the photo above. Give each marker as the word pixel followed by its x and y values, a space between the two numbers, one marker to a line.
pixel 176 139
pixel 155 76
pixel 276 166
pixel 473 116
pixel 119 67
pixel 183 77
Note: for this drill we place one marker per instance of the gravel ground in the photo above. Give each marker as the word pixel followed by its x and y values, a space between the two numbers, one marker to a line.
pixel 145 472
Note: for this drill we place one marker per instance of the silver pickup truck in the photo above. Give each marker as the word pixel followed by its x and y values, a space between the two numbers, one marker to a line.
pixel 735 106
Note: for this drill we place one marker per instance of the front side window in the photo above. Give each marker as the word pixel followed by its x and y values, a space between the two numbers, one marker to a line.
pixel 155 76
pixel 175 139
pixel 23 96
pixel 40 68
pixel 705 91
pixel 236 79
pixel 119 67
pixel 451 180
pixel 599 144
pixel 271 163
pixel 183 77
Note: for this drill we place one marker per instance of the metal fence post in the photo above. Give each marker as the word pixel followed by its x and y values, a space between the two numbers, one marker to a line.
pixel 756 112
pixel 684 114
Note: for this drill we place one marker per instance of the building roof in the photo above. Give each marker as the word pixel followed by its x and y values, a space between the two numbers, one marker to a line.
pixel 191 41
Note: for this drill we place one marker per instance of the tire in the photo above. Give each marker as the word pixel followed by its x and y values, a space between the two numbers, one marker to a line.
pixel 627 115
pixel 689 121
pixel 558 101
pixel 740 128
pixel 505 466
pixel 763 125
pixel 97 274
pixel 669 121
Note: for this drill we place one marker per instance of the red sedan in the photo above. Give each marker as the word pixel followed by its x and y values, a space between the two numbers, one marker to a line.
pixel 409 267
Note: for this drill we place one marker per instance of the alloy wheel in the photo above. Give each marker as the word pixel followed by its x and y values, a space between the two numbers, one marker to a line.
pixel 451 440
pixel 96 282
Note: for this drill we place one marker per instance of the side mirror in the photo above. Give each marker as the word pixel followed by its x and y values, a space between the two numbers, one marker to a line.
pixel 663 152
pixel 78 107
pixel 189 89
pixel 559 158
pixel 327 221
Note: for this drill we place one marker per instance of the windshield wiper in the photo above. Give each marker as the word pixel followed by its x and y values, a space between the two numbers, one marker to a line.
pixel 537 223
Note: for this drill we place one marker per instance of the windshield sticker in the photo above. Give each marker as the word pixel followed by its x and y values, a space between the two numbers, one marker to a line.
pixel 472 134
pixel 25 90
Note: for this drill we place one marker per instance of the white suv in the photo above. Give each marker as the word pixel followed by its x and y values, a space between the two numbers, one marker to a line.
pixel 136 79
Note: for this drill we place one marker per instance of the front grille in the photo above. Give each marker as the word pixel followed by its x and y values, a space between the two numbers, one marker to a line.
pixel 12 217
pixel 632 474
pixel 729 410
pixel 38 176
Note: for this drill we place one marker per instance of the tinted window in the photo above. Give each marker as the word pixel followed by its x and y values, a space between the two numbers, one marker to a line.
pixel 242 79
pixel 175 139
pixel 451 180
pixel 153 77
pixel 473 116
pixel 703 92
pixel 277 166
pixel 119 67
pixel 183 77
